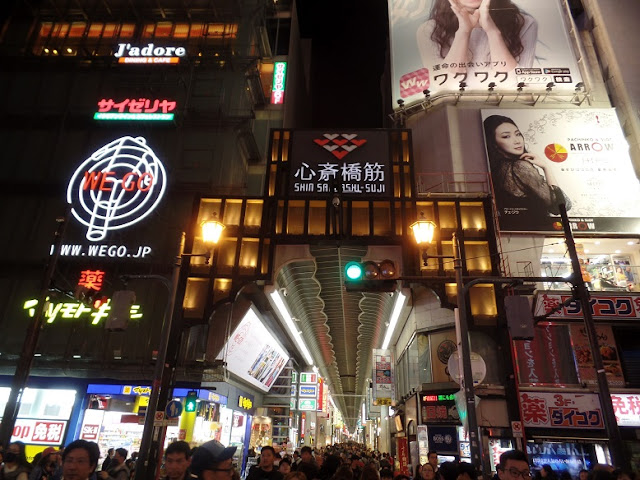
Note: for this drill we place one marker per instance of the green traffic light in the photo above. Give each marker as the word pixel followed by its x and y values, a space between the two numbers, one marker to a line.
pixel 353 271
pixel 190 403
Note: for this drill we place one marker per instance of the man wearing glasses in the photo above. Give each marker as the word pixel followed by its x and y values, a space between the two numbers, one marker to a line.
pixel 514 466
pixel 79 460
pixel 213 461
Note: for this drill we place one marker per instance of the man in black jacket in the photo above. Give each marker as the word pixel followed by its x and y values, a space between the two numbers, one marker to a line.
pixel 265 469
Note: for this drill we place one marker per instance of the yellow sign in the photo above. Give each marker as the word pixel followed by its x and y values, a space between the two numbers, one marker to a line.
pixel 244 402
pixel 76 310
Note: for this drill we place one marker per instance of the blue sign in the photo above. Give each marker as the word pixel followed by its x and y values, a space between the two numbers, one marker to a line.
pixel 308 391
pixel 174 409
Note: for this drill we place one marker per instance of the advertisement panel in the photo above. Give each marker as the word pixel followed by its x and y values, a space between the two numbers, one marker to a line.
pixel 540 158
pixel 436 45
pixel 608 352
pixel 561 410
pixel 443 344
pixel 353 163
pixel 626 407
pixel 383 390
pixel 39 431
pixel 403 455
pixel 443 440
pixel 254 354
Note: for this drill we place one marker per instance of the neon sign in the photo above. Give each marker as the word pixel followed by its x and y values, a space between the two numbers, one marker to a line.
pixel 91 279
pixel 117 186
pixel 135 109
pixel 279 77
pixel 125 53
pixel 71 310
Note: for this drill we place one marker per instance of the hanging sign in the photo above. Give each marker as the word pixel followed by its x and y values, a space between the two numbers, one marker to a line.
pixel 279 77
pixel 157 109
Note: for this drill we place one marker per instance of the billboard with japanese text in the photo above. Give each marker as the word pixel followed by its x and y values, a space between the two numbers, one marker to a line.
pixel 383 386
pixel 540 158
pixel 437 44
pixel 561 410
pixel 351 163
pixel 604 306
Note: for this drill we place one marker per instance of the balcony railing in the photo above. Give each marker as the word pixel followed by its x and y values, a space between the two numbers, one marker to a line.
pixel 453 183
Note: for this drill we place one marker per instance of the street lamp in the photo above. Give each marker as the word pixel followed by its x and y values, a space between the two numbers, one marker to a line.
pixel 423 231
pixel 150 442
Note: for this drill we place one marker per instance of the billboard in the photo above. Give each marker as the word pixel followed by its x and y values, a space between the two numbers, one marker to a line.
pixel 561 410
pixel 540 158
pixel 383 389
pixel 254 354
pixel 436 44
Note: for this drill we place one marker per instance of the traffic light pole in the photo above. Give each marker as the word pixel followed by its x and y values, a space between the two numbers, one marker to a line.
pixel 30 344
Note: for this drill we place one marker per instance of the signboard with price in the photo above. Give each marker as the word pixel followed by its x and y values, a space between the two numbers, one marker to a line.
pixel 561 410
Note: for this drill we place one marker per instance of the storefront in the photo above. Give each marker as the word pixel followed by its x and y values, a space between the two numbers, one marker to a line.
pixel 114 416
pixel 46 417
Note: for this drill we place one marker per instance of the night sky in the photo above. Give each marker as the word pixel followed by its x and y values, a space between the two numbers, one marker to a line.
pixel 348 57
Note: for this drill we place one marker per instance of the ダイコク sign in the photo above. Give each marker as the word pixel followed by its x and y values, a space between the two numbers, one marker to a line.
pixel 117 186
pixel 126 53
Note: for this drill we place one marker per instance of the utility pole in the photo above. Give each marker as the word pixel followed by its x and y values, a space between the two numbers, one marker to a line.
pixel 25 362
pixel 580 289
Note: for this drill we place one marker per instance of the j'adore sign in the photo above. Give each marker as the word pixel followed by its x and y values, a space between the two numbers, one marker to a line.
pixel 150 53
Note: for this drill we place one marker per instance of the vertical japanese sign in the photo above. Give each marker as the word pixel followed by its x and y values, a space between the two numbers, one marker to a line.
pixel 534 48
pixel 561 410
pixel 383 392
pixel 403 455
pixel 608 351
pixel 278 83
pixel 350 163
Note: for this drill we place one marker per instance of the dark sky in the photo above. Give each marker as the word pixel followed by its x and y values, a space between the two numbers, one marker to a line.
pixel 348 58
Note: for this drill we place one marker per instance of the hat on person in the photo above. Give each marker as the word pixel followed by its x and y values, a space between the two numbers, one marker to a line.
pixel 49 451
pixel 209 454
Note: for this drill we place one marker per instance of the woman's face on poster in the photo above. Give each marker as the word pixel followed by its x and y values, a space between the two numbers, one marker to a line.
pixel 509 139
pixel 470 4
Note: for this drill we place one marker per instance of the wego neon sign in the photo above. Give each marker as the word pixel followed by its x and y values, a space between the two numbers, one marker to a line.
pixel 117 186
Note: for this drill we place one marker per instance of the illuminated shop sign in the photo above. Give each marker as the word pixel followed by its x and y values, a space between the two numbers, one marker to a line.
pixel 438 398
pixel 91 279
pixel 245 403
pixel 136 390
pixel 308 391
pixel 279 78
pixel 626 407
pixel 150 53
pixel 308 377
pixel 39 432
pixel 383 392
pixel 603 306
pixel 135 109
pixel 307 404
pixel 561 410
pixel 116 187
pixel 71 310
pixel 353 163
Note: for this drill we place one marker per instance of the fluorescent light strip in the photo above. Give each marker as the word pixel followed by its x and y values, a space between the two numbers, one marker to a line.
pixel 132 116
pixel 395 315
pixel 277 299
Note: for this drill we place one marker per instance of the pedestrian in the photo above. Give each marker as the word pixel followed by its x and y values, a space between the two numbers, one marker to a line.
pixel 177 458
pixel 79 460
pixel 265 470
pixel 107 460
pixel 432 458
pixel 285 466
pixel 118 469
pixel 213 461
pixel 466 471
pixel 514 465
pixel 47 466
pixel 15 465
pixel 307 463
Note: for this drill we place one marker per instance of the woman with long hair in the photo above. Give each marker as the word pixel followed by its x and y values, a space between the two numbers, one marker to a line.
pixel 484 35
pixel 525 188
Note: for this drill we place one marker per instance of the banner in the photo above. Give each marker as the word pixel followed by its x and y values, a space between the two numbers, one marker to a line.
pixel 608 352
pixel 539 158
pixel 435 48
pixel 383 391
pixel 561 410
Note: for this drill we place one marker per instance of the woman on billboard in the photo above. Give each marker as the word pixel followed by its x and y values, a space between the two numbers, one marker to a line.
pixel 526 191
pixel 491 34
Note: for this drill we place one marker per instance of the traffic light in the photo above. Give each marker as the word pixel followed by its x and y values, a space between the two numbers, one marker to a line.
pixel 190 403
pixel 371 276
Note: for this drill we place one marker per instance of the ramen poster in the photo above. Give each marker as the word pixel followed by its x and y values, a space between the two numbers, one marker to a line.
pixel 539 159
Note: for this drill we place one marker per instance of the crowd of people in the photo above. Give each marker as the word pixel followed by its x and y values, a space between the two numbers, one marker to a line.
pixel 214 461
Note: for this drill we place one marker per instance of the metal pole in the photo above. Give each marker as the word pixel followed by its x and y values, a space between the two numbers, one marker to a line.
pixel 465 354
pixel 25 362
pixel 146 464
pixel 615 440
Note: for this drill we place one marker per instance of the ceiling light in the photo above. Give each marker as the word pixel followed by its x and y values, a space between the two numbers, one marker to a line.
pixel 393 320
pixel 293 331
pixel 630 243
pixel 586 250
pixel 551 250
pixel 618 251
pixel 597 242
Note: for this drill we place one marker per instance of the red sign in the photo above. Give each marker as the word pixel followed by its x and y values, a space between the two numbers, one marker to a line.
pixel 91 279
pixel 603 306
pixel 90 432
pixel 39 432
pixel 136 105
pixel 561 410
pixel 403 455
